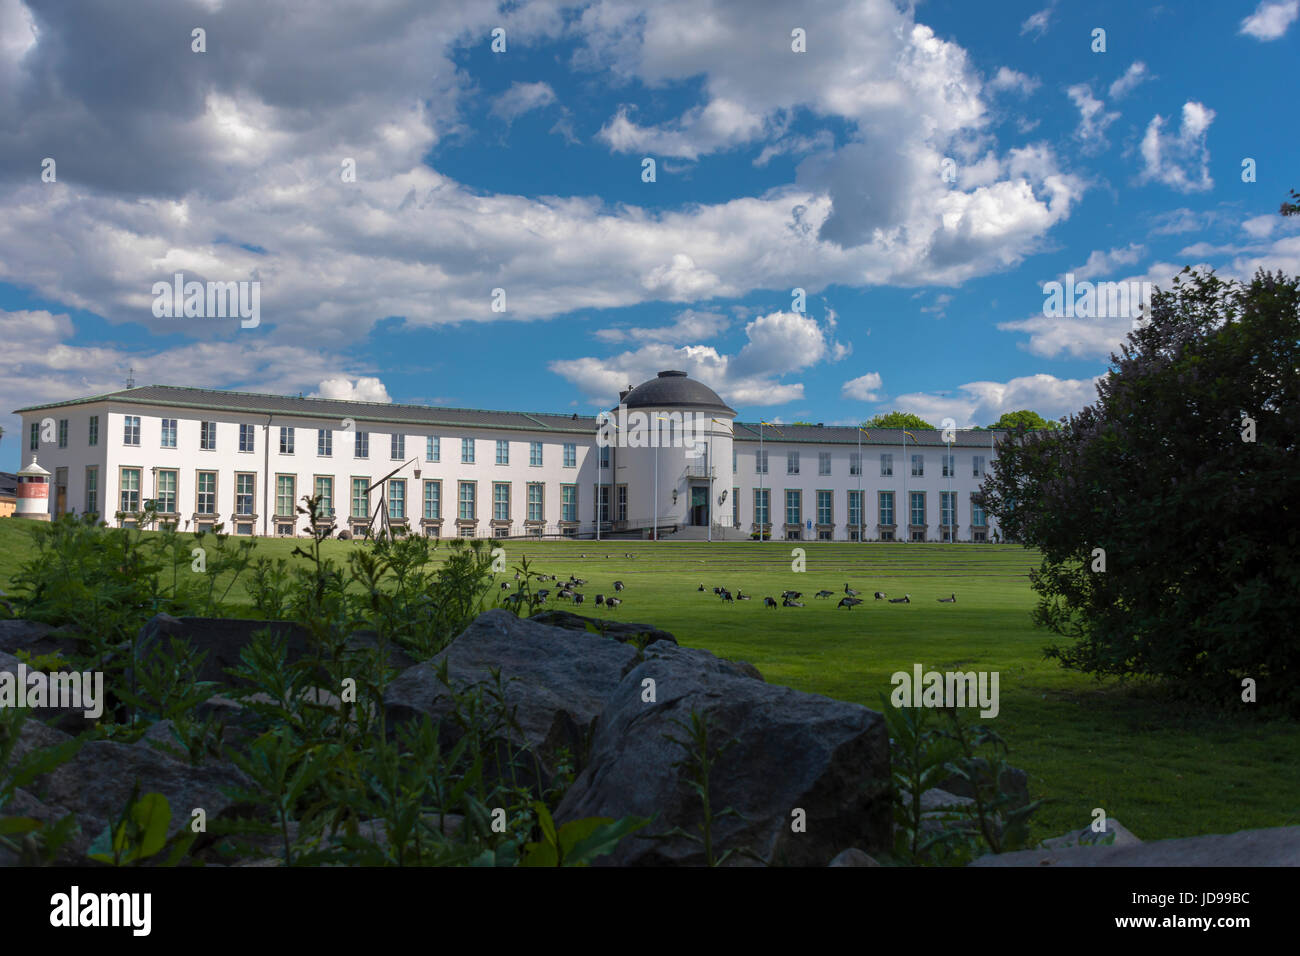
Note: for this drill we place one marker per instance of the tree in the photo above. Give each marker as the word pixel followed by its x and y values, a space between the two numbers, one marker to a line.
pixel 1291 208
pixel 898 420
pixel 1010 421
pixel 1181 482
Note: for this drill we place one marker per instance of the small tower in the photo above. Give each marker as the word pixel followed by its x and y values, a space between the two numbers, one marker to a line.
pixel 33 493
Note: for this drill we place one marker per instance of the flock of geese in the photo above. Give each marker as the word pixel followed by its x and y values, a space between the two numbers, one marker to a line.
pixel 791 598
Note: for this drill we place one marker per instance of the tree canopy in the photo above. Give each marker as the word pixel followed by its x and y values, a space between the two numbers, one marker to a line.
pixel 1166 513
pixel 898 420
pixel 1010 421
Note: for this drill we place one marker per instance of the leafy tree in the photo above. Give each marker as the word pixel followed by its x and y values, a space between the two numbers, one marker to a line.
pixel 1184 473
pixel 1010 421
pixel 1291 208
pixel 898 420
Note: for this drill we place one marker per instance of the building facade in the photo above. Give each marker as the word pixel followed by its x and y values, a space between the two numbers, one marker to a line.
pixel 246 461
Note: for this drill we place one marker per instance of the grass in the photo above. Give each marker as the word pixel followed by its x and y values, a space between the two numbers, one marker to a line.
pixel 1161 770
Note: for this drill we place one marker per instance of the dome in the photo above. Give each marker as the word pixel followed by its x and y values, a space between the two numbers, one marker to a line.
pixel 671 389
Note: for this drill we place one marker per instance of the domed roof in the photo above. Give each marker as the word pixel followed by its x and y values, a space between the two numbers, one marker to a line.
pixel 674 389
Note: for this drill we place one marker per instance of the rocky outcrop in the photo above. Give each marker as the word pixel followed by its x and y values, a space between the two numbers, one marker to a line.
pixel 624 631
pixel 1278 846
pixel 805 775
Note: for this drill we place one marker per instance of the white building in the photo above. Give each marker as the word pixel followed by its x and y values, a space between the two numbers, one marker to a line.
pixel 246 461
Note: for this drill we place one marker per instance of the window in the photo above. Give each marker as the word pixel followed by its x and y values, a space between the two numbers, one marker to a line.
pixel 793 507
pixel 130 487
pixel 855 463
pixel 977 466
pixel 503 452
pixel 918 507
pixel 535 497
pixel 397 498
pixel 734 467
pixel 244 487
pixel 131 430
pixel 568 502
pixel 324 442
pixel 760 462
pixel 792 463
pixel 570 456
pixel 433 500
pixel 165 493
pixel 92 490
pixel 823 507
pixel 948 508
pixel 94 431
pixel 762 510
pixel 620 503
pixel 918 466
pixel 361 445
pixel 855 509
pixel 535 454
pixel 35 441
pixel 886 508
pixel 604 457
pixel 602 498
pixel 735 507
pixel 246 438
pixel 208 436
pixel 467 504
pixel 467 451
pixel 886 466
pixel 284 494
pixel 501 501
pixel 63 433
pixel 324 490
pixel 286 444
pixel 397 447
pixel 360 497
pixel 977 518
pixel 949 466
pixel 206 503
pixel 432 449
pixel 823 463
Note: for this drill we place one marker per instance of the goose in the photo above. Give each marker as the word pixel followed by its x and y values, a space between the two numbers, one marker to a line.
pixel 880 595
pixel 849 591
pixel 905 599
pixel 726 597
pixel 565 593
pixel 505 585
pixel 613 602
pixel 577 599
pixel 824 594
pixel 543 593
pixel 718 591
pixel 788 603
pixel 848 602
pixel 769 602
pixel 618 585
pixel 741 596
pixel 948 600
pixel 600 599
pixel 701 588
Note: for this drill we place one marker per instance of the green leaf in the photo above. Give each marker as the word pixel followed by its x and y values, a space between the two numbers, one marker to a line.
pixel 9 826
pixel 152 814
pixel 546 823
pixel 603 839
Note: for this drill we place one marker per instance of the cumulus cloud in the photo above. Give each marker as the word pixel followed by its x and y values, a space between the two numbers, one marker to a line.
pixel 984 402
pixel 364 389
pixel 864 388
pixel 777 345
pixel 521 98
pixel 1179 161
pixel 1132 78
pixel 689 325
pixel 1038 23
pixel 1101 263
pixel 1093 118
pixel 1271 19
pixel 1008 79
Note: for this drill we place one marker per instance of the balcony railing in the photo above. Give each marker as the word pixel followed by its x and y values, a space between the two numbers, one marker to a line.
pixel 701 471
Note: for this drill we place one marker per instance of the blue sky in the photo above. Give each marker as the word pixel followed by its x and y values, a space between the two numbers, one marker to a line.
pixel 522 170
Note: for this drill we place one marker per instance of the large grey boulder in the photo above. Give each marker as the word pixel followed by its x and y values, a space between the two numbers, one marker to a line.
pixel 36 638
pixel 1115 834
pixel 792 752
pixel 1278 846
pixel 555 679
pixel 624 631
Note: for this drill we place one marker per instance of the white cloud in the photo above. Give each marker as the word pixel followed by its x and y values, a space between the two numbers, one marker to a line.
pixel 521 98
pixel 364 389
pixel 690 325
pixel 778 345
pixel 982 403
pixel 1271 19
pixel 1093 118
pixel 1008 79
pixel 1037 23
pixel 1181 162
pixel 1100 263
pixel 1132 78
pixel 1261 227
pixel 864 388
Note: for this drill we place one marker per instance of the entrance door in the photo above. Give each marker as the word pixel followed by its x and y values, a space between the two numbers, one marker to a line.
pixel 60 491
pixel 699 506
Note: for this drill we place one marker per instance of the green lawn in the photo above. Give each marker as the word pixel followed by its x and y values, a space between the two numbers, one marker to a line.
pixel 1162 772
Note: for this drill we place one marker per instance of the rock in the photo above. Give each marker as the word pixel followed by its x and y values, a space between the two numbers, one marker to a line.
pixel 558 680
pixel 748 669
pixel 398 659
pixel 220 639
pixel 622 631
pixel 792 751
pixel 853 857
pixel 1088 837
pixel 1012 780
pixel 36 639
pixel 1278 846
pixel 70 719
